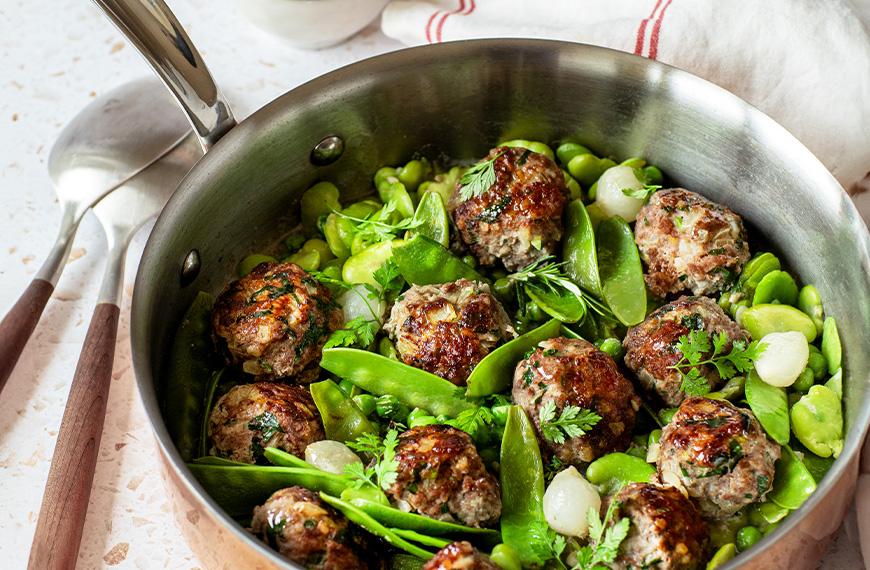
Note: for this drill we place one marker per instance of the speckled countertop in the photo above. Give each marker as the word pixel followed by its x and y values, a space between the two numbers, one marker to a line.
pixel 55 57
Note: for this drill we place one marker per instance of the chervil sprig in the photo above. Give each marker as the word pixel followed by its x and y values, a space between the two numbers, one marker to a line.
pixel 696 352
pixel 478 179
pixel 573 421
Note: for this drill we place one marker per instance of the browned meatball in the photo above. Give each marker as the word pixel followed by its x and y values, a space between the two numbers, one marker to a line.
pixel 518 219
pixel 252 417
pixel 447 329
pixel 562 372
pixel 298 524
pixel 275 321
pixel 666 532
pixel 651 347
pixel 689 242
pixel 719 454
pixel 460 556
pixel 441 475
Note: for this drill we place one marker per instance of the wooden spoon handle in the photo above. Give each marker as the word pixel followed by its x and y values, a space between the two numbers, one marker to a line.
pixel 65 503
pixel 18 325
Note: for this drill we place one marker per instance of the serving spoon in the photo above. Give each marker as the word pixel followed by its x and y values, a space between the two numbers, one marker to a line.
pixel 107 144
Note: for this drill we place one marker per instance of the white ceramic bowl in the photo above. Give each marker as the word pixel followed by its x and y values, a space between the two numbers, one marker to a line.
pixel 312 24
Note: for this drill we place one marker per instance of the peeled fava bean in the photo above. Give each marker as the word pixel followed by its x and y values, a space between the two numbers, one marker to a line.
pixel 776 286
pixel 784 358
pixel 567 501
pixel 762 319
pixel 817 421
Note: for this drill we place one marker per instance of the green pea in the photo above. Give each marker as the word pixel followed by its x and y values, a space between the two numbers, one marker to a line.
pixel 805 381
pixel 389 407
pixel 723 555
pixel 666 415
pixel 348 388
pixel 810 302
pixel 309 260
pixel 611 346
pixel 831 348
pixel 250 262
pixel 817 421
pixel 506 557
pixel 747 537
pixel 653 175
pixel 633 162
pixel 387 348
pixel 320 247
pixel 534 311
pixel 732 390
pixel 760 320
pixel 817 363
pixel 470 261
pixel 294 241
pixel 586 168
pixel 366 403
pixel 414 173
pixel 567 151
pixel 322 198
pixel 777 286
pixel 503 288
pixel 615 469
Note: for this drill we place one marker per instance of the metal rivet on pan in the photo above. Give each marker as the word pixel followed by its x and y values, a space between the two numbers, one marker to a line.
pixel 327 151
pixel 190 268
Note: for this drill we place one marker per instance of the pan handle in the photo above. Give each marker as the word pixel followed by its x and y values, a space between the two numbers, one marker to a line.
pixel 152 27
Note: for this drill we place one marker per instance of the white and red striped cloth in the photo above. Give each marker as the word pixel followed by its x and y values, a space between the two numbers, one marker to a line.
pixel 804 62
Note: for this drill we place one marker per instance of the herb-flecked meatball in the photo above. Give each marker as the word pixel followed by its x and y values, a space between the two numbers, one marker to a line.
pixel 275 321
pixel 441 475
pixel 719 454
pixel 666 532
pixel 252 417
pixel 689 243
pixel 460 556
pixel 518 218
pixel 563 372
pixel 651 347
pixel 447 329
pixel 298 524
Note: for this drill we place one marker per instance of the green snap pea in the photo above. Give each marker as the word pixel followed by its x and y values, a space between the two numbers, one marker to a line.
pixel 817 363
pixel 366 403
pixel 380 375
pixel 414 173
pixel 505 557
pixel 777 286
pixel 817 421
pixel 568 150
pixel 564 306
pixel 418 413
pixel 621 272
pixel 770 513
pixel 760 320
pixel 793 484
pixel 810 302
pixel 248 264
pixel 206 410
pixel 189 375
pixel 578 250
pixel 360 268
pixel 422 420
pixel 432 217
pixel 831 348
pixel 239 488
pixel 342 419
pixel 747 537
pixel 613 470
pixel 320 199
pixel 309 260
pixel 804 381
pixel 522 489
pixel 770 406
pixel 495 372
pixel 356 515
pixel 574 190
pixel 817 466
pixel 281 458
pixel 396 518
pixel 367 492
pixel 725 553
pixel 835 383
pixel 611 346
pixel 423 539
pixel 387 348
pixel 422 261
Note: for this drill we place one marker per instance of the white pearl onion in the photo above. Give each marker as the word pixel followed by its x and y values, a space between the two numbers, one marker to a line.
pixel 784 358
pixel 610 197
pixel 330 456
pixel 567 501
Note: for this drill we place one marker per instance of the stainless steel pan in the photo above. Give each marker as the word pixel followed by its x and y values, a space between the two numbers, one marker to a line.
pixel 459 98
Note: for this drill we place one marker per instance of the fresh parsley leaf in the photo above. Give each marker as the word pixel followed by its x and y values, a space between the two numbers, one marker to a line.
pixel 478 179
pixel 697 351
pixel 382 471
pixel 357 332
pixel 641 193
pixel 573 421
pixel 546 544
pixel 694 384
pixel 472 420
pixel 389 278
pixel 605 538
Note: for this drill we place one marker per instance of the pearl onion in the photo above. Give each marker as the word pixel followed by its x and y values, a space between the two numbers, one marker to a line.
pixel 567 502
pixel 612 200
pixel 784 358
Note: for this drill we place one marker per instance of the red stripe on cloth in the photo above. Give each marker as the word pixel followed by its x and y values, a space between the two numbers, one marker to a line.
pixel 458 10
pixel 654 40
pixel 641 29
pixel 429 25
pixel 471 8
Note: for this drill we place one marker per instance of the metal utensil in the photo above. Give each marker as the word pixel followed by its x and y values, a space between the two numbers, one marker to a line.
pixel 109 142
pixel 121 213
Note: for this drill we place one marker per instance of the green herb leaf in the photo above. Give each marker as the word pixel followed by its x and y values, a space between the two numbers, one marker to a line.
pixel 605 538
pixel 641 193
pixel 478 179
pixel 573 422
pixel 697 351
pixel 357 332
pixel 549 276
pixel 378 227
pixel 267 424
pixel 472 420
pixel 382 472
pixel 390 279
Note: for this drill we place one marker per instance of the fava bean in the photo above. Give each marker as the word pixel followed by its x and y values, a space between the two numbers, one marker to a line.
pixel 533 146
pixel 470 261
pixel 574 190
pixel 320 199
pixel 386 175
pixel 747 537
pixel 621 272
pixel 506 557
pixel 613 470
pixel 760 320
pixel 587 168
pixel 725 553
pixel 414 173
pixel 366 403
pixel 770 406
pixel 251 261
pixel 422 261
pixel 349 388
pixel 770 513
pixel 578 251
pixel 444 184
pixel 396 193
pixel 633 162
pixel 831 348
pixel 309 260
pixel 387 348
pixel 810 302
pixel 817 421
pixel 567 151
pixel 320 247
pixel 342 419
pixel 777 286
pixel 793 484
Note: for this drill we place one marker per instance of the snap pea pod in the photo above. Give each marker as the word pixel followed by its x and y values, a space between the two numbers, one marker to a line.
pixel 206 410
pixel 411 535
pixel 281 458
pixel 495 372
pixel 613 470
pixel 342 419
pixel 770 406
pixel 621 272
pixel 381 375
pixel 793 484
pixel 523 526
pixel 215 460
pixel 817 466
pixel 432 217
pixel 188 377
pixel 565 306
pixel 723 555
pixel 357 516
pixel 578 251
pixel 396 518
pixel 422 261
pixel 810 302
pixel 831 348
pixel 360 268
pixel 239 488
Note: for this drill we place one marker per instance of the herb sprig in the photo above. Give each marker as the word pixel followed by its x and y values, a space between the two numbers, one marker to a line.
pixel 478 179
pixel 605 537
pixel 472 420
pixel 573 421
pixel 381 473
pixel 378 227
pixel 549 275
pixel 642 193
pixel 696 352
